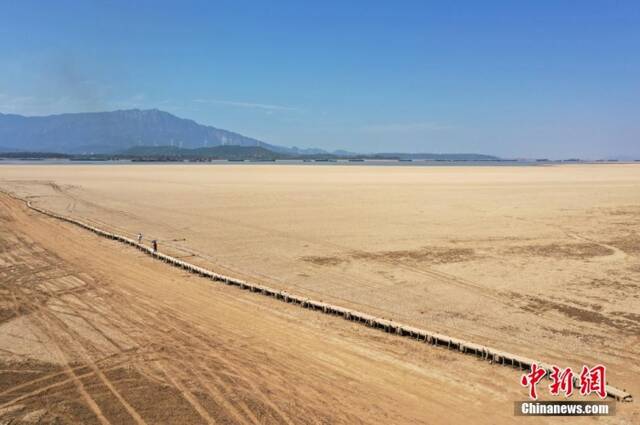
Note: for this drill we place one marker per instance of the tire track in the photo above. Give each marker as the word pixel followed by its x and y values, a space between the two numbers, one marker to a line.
pixel 81 350
pixel 187 395
pixel 90 402
pixel 148 322
pixel 49 322
pixel 59 297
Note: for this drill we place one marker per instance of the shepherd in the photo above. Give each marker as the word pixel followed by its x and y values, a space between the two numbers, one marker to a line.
pixel 155 245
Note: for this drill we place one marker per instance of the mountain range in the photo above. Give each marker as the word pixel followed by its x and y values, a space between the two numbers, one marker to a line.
pixel 110 132
pixel 117 132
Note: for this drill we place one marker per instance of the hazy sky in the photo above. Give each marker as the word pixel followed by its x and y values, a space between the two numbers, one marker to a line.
pixel 513 78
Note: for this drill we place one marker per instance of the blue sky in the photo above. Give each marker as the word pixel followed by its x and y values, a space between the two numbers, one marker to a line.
pixel 514 78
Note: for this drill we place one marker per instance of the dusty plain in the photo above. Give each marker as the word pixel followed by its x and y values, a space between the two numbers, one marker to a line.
pixel 541 261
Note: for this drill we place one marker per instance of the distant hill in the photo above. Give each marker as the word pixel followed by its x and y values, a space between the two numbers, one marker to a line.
pixel 217 152
pixel 109 132
pixel 437 156
pixel 260 153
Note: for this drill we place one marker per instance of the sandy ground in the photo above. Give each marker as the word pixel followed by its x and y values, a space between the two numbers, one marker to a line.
pixel 539 261
pixel 120 338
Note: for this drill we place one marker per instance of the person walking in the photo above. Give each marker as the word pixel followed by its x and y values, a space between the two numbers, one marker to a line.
pixel 139 238
pixel 155 245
